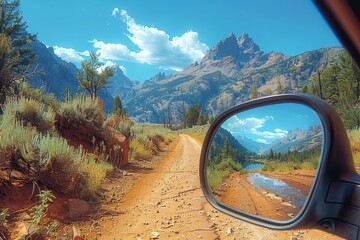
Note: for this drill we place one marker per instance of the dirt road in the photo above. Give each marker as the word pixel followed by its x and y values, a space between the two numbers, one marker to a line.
pixel 167 203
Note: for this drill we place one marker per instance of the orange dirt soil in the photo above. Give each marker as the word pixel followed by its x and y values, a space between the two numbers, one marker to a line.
pixel 237 192
pixel 163 198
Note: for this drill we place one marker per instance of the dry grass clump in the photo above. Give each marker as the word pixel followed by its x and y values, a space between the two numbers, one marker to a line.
pixel 147 140
pixel 197 132
pixel 354 136
pixel 29 112
pixel 121 124
pixel 94 169
pixel 83 110
pixel 81 122
pixel 30 150
pixel 37 94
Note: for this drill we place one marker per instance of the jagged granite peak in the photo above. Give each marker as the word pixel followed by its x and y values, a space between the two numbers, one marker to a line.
pixel 237 52
pixel 247 44
pixel 227 47
pixel 158 77
pixel 155 79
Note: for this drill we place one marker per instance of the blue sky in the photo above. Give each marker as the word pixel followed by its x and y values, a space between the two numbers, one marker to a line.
pixel 269 123
pixel 147 37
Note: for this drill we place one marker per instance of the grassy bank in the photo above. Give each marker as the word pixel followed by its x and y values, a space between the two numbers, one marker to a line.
pixel 146 140
pixel 217 173
pixel 31 146
pixel 197 132
pixel 287 166
pixel 354 136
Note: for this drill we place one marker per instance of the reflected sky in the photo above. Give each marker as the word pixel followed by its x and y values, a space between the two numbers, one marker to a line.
pixel 268 123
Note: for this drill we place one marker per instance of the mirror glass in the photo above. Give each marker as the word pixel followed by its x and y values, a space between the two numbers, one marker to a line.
pixel 263 161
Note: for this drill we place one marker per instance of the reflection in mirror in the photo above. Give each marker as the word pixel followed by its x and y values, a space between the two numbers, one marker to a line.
pixel 263 161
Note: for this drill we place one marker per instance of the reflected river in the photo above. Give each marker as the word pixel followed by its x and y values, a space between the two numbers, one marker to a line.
pixel 279 187
pixel 253 166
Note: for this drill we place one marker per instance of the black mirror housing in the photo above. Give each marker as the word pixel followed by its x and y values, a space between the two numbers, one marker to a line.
pixel 334 200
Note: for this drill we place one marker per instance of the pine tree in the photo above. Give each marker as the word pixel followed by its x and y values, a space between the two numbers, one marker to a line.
pixel 280 88
pixel 271 154
pixel 253 91
pixel 117 108
pixel 192 115
pixel 349 91
pixel 226 150
pixel 16 54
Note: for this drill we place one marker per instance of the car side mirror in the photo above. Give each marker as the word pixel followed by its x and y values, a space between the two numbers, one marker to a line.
pixel 282 162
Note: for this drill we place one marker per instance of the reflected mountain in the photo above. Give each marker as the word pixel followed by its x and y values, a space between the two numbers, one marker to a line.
pixel 223 135
pixel 251 145
pixel 297 140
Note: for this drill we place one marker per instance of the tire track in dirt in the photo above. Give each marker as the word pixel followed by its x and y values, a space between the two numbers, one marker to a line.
pixel 168 201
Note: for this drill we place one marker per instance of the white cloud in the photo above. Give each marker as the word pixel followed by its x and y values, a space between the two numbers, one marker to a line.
pixel 110 64
pixel 247 125
pixel 277 130
pixel 270 135
pixel 112 51
pixel 69 54
pixel 85 53
pixel 261 141
pixel 114 12
pixel 156 47
pixel 105 65
pixel 189 43
pixel 253 125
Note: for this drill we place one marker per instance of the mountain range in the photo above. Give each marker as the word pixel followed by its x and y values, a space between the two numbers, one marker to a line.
pixel 220 80
pixel 251 145
pixel 299 140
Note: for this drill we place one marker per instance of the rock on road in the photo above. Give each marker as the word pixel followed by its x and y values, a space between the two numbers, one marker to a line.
pixel 168 203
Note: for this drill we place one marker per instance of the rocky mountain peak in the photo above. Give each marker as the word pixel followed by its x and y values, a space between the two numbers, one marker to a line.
pixel 238 51
pixel 158 77
pixel 247 44
pixel 227 47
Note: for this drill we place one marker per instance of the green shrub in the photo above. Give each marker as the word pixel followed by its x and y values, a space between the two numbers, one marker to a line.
pixel 217 173
pixel 280 166
pixel 94 169
pixel 27 144
pixel 141 150
pixel 40 210
pixel 83 109
pixel 38 94
pixel 146 140
pixel 29 112
pixel 121 124
pixel 15 138
pixel 354 136
pixel 55 150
